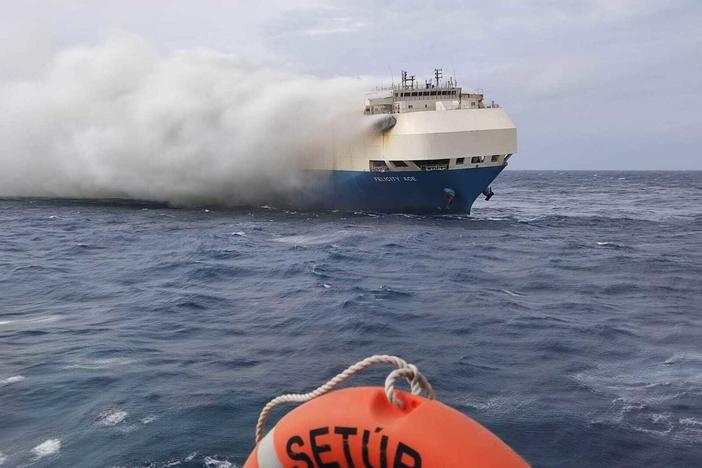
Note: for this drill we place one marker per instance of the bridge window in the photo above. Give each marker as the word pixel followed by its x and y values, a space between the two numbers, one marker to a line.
pixel 477 159
pixel 495 157
pixel 460 161
pixel 378 166
pixel 432 164
pixel 399 163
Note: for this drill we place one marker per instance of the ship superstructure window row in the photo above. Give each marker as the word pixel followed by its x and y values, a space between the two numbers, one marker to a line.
pixel 432 164
pixel 436 164
pixel 450 92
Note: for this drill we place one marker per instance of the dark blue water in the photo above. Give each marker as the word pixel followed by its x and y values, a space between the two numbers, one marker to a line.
pixel 565 315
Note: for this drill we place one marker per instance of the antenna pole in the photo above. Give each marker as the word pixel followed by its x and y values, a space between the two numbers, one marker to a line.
pixel 438 74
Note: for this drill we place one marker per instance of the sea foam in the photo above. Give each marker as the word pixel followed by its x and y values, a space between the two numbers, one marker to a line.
pixel 211 462
pixel 111 417
pixel 46 448
pixel 11 380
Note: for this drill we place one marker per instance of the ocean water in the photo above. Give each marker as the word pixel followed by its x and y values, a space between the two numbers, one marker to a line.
pixel 565 315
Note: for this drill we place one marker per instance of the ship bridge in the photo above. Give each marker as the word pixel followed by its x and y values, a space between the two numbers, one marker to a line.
pixel 437 94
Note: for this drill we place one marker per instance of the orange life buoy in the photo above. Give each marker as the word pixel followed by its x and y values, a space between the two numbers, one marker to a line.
pixel 360 428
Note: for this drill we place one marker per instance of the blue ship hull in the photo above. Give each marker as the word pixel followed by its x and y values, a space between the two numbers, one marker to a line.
pixel 402 191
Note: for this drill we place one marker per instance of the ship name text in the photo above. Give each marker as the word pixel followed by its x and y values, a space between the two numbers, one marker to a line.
pixel 395 179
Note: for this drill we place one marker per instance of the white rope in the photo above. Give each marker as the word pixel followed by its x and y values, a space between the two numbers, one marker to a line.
pixel 418 384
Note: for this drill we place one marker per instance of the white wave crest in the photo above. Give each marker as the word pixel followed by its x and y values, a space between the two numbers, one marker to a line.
pixel 11 380
pixel 32 320
pixel 46 448
pixel 511 293
pixel 609 244
pixel 684 358
pixel 96 364
pixel 111 417
pixel 643 394
pixel 318 239
pixel 211 462
pixel 691 422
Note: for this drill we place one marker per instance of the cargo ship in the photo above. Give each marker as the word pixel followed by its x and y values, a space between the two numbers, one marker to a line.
pixel 438 148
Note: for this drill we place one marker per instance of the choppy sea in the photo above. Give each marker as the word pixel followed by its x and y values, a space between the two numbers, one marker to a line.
pixel 565 314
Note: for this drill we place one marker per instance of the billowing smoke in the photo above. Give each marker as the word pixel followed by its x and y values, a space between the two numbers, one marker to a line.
pixel 121 120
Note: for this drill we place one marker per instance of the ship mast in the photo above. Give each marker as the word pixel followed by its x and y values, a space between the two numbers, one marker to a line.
pixel 438 74
pixel 407 79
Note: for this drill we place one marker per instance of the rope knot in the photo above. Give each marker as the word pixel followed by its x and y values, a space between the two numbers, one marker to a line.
pixel 417 382
pixel 409 372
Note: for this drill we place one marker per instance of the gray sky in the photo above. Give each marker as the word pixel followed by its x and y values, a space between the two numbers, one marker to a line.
pixel 591 84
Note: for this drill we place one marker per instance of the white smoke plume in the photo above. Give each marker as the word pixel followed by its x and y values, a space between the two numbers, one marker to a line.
pixel 121 120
